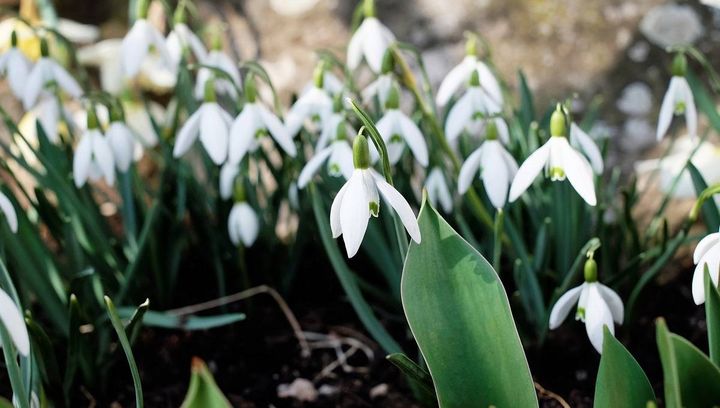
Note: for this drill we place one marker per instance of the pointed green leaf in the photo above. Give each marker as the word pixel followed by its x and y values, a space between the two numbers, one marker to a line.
pixel 712 318
pixel 711 216
pixel 621 382
pixel 413 371
pixel 125 343
pixel 459 314
pixel 690 378
pixel 203 391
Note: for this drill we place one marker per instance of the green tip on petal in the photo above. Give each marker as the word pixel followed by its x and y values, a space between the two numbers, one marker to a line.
pixel 679 65
pixel 369 8
pixel 557 122
pixel 361 151
pixel 474 79
pixel 590 270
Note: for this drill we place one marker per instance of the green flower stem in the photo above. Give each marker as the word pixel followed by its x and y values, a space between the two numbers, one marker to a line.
pixel 497 239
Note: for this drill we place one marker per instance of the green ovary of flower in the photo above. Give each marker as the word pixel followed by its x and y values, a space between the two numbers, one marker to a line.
pixel 679 108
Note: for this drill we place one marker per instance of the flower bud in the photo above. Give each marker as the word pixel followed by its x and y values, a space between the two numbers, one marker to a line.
pixel 319 75
pixel 679 65
pixel 388 62
pixel 393 98
pixel 590 270
pixel 369 8
pixel 557 123
pixel 361 152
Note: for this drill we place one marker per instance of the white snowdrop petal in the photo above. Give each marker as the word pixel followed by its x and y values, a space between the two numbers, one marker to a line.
pixel 81 160
pixel 705 245
pixel 234 225
pixel 614 303
pixel 14 322
pixel 34 85
pixel 65 80
pixel 581 140
pixel 134 48
pixel 667 109
pixel 242 133
pixel 562 307
pixel 9 211
pixel 468 170
pixel 597 316
pixel 579 173
pixel 414 139
pixel 527 172
pixel 489 83
pixel 277 131
pixel 335 225
pixel 103 157
pixel 355 47
pixel 455 79
pixel 494 175
pixel 249 224
pixel 401 207
pixel 228 172
pixel 214 133
pixel 312 167
pixel 690 109
pixel 354 213
pixel 188 133
pixel 459 116
pixel 122 143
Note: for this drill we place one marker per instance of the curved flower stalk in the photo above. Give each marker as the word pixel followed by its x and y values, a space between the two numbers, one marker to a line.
pixel 559 160
pixel 678 100
pixel 45 74
pixel 707 252
pixel 462 73
pixel 93 155
pixel 218 59
pixel 497 168
pixel 597 306
pixel 398 130
pixel 211 123
pixel 316 104
pixel 370 41
pixel 15 66
pixel 358 200
pixel 254 122
pixel 584 143
pixel 471 111
pixel 182 38
pixel 338 156
pixel 14 322
pixel 438 191
pixel 138 43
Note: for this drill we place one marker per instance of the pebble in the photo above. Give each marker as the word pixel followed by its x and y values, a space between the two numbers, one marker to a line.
pixel 378 391
pixel 672 24
pixel 301 389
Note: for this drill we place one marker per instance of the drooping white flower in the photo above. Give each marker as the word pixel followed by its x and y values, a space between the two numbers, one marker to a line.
pixel 122 143
pixel 678 100
pixel 228 172
pixel 584 143
pixel 93 156
pixel 180 38
pixel 338 156
pixel 48 72
pixel 212 124
pixel 13 320
pixel 461 75
pixel 370 41
pixel 253 122
pixel 707 252
pixel 597 306
pixel 217 59
pixel 142 39
pixel 471 112
pixel 497 169
pixel 560 161
pixel 438 191
pixel 16 67
pixel 358 200
pixel 316 103
pixel 330 130
pixel 8 211
pixel 379 88
pixel 398 130
pixel 49 113
pixel 243 224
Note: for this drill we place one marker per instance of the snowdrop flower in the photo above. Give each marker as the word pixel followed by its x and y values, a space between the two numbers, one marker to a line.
pixel 181 38
pixel 463 72
pixel 497 168
pixel 370 41
pixel 707 253
pixel 216 58
pixel 47 72
pixel 398 130
pixel 8 211
pixel 338 156
pixel 382 86
pixel 470 110
pixel 314 104
pixel 597 306
pixel 140 40
pixel 358 200
pixel 438 191
pixel 49 113
pixel 93 155
pixel 584 143
pixel 559 160
pixel 15 65
pixel 14 322
pixel 228 173
pixel 122 141
pixel 678 100
pixel 211 123
pixel 253 122
pixel 243 224
pixel 331 84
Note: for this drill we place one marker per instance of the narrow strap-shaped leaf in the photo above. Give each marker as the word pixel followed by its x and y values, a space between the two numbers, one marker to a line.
pixel 132 329
pixel 416 373
pixel 125 343
pixel 712 317
pixel 710 212
pixel 621 382
pixel 203 391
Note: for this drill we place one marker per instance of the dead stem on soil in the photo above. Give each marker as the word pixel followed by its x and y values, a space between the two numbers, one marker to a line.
pixel 236 297
pixel 319 340
pixel 547 394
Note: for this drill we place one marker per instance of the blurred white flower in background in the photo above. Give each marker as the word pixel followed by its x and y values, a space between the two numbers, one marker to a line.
pixel 139 43
pixel 338 156
pixel 678 100
pixel 316 104
pixel 462 75
pixel 707 253
pixel 16 67
pixel 292 7
pixel 47 72
pixel 217 59
pixel 211 124
pixel 93 157
pixel 585 144
pixel 438 191
pixel 398 131
pixel 8 211
pixel 370 41
pixel 14 322
pixel 181 38
pixel 672 24
pixel 243 224
pixel 122 142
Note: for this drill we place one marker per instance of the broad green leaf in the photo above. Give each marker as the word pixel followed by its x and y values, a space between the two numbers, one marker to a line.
pixel 621 382
pixel 712 318
pixel 690 378
pixel 125 343
pixel 203 391
pixel 459 314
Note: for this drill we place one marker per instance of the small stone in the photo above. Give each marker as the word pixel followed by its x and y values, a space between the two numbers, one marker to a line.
pixel 378 391
pixel 672 24
pixel 328 390
pixel 637 135
pixel 639 51
pixel 635 100
pixel 300 389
